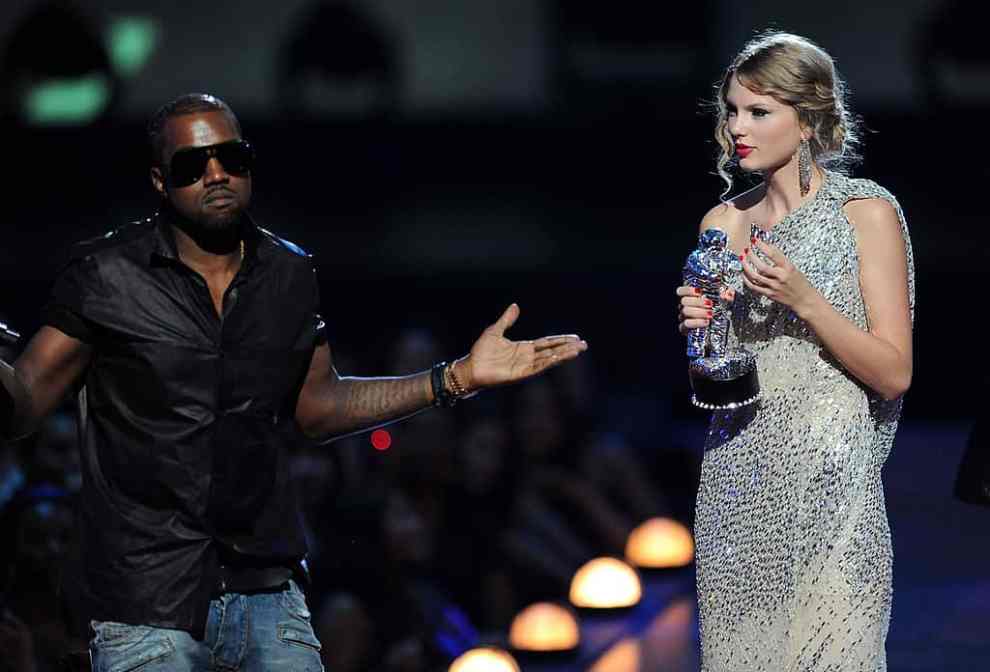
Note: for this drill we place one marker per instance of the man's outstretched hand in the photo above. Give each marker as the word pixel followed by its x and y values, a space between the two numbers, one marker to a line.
pixel 495 360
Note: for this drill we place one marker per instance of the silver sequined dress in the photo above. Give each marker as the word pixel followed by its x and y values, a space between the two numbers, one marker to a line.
pixel 793 546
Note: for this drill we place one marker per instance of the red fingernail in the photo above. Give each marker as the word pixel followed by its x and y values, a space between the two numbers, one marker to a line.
pixel 708 302
pixel 709 313
pixel 742 257
pixel 753 239
pixel 697 291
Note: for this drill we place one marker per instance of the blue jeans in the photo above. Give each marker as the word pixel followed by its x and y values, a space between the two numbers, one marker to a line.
pixel 247 633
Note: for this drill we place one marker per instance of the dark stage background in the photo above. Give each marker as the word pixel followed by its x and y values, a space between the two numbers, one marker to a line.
pixel 441 159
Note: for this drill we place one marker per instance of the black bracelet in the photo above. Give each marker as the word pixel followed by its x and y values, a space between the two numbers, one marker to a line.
pixel 441 397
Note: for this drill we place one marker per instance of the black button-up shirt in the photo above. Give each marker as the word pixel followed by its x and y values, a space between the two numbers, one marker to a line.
pixel 185 417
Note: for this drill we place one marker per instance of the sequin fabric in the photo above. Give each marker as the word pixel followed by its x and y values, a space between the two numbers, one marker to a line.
pixel 793 546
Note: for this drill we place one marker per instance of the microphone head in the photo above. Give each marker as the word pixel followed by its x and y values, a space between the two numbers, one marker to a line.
pixel 7 335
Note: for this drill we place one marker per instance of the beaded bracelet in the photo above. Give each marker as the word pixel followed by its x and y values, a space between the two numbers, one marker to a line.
pixel 455 385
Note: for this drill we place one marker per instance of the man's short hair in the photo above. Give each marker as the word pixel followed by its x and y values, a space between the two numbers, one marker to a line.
pixel 189 103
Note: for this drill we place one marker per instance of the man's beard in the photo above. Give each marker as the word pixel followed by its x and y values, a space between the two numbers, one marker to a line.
pixel 221 222
pixel 219 233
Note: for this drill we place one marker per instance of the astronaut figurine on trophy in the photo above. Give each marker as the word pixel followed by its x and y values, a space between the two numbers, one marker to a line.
pixel 720 379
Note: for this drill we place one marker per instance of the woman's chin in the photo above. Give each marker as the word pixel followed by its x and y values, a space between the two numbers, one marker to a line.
pixel 748 165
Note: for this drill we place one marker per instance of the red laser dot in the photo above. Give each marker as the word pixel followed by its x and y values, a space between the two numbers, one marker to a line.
pixel 381 439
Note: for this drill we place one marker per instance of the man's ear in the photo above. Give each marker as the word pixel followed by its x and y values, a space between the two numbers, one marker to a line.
pixel 158 181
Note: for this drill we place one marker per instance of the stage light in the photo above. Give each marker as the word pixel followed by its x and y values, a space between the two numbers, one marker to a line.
pixel 605 583
pixel 381 439
pixel 544 627
pixel 660 543
pixel 624 656
pixel 485 659
pixel 70 83
pixel 131 40
pixel 67 101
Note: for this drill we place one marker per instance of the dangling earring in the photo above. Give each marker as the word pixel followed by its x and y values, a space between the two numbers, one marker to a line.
pixel 804 167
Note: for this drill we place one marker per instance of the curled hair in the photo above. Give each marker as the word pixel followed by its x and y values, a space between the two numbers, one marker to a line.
pixel 189 103
pixel 796 72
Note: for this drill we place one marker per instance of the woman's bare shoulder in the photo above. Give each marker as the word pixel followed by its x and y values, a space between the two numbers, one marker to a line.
pixel 734 212
pixel 873 211
pixel 734 216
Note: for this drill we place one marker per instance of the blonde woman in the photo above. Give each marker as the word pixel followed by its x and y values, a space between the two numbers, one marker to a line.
pixel 793 545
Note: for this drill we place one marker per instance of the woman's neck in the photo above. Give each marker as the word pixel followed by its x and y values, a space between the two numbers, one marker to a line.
pixel 783 191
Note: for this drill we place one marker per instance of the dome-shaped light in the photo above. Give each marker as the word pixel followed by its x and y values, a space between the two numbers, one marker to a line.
pixel 485 659
pixel 624 656
pixel 605 583
pixel 544 627
pixel 660 543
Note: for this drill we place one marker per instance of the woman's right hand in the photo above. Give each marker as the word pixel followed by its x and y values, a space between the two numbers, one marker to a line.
pixel 694 311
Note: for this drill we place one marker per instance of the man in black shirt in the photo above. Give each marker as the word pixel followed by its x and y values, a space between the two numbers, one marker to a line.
pixel 196 346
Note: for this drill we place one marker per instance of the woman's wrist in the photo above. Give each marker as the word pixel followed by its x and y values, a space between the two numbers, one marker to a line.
pixel 809 309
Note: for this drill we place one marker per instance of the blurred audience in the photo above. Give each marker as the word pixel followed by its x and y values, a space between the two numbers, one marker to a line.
pixel 565 514
pixel 34 631
pixel 479 507
pixel 393 610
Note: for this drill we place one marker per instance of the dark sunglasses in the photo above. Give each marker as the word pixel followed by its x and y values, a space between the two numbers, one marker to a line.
pixel 188 165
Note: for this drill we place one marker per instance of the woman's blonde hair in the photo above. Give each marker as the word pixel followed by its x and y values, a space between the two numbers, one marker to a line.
pixel 796 72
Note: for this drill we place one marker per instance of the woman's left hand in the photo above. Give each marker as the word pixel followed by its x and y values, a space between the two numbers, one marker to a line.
pixel 782 282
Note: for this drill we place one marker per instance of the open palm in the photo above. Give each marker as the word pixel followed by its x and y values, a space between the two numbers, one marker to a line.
pixel 496 360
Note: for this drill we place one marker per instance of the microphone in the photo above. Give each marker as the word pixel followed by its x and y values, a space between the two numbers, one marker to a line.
pixel 7 335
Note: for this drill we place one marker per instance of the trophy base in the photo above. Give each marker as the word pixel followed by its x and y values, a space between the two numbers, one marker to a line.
pixel 724 383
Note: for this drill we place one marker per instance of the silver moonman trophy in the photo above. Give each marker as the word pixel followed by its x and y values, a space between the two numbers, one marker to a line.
pixel 720 379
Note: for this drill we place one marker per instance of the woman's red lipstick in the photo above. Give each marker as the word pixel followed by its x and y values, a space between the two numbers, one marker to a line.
pixel 743 151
